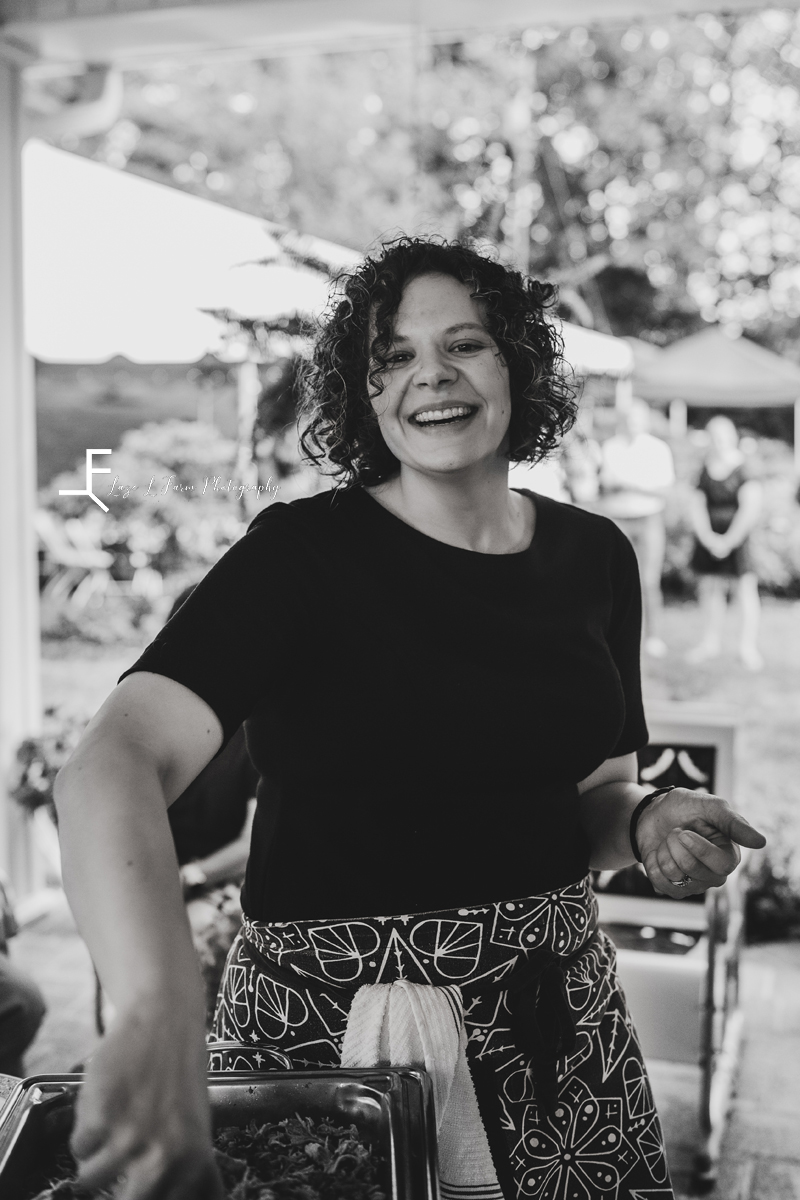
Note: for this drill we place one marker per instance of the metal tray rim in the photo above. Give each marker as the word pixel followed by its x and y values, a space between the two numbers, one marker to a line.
pixel 23 1101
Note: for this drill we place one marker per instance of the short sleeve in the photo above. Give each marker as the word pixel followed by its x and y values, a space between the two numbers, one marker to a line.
pixel 624 641
pixel 220 642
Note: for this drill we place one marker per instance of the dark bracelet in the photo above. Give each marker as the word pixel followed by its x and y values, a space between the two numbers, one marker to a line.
pixel 637 812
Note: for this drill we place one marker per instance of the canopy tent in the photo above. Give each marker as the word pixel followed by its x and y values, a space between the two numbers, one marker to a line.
pixel 117 264
pixel 592 353
pixel 644 353
pixel 711 369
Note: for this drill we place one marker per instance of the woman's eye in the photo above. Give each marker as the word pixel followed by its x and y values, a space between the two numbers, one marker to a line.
pixel 400 357
pixel 469 346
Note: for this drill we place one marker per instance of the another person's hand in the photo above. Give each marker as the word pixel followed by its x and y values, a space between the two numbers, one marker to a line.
pixel 193 878
pixel 143 1112
pixel 694 834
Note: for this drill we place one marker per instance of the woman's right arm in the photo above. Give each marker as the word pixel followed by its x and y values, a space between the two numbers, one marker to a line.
pixel 144 1108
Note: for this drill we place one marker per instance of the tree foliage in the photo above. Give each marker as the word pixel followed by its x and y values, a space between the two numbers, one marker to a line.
pixel 653 167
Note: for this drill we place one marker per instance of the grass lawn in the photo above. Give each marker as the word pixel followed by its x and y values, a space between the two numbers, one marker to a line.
pixel 77 677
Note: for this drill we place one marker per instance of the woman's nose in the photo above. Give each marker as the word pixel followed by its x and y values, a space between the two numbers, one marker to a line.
pixel 432 371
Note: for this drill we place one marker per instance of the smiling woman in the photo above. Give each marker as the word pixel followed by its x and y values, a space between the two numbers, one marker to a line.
pixel 445 731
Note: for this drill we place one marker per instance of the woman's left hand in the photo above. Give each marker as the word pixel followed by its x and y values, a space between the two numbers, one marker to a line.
pixel 694 834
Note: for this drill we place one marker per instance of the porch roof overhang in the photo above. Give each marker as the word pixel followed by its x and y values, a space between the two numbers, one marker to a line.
pixel 134 33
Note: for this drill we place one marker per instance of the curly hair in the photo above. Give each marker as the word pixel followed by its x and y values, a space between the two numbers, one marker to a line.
pixel 339 427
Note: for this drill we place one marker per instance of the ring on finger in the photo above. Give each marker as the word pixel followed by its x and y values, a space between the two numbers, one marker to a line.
pixel 687 879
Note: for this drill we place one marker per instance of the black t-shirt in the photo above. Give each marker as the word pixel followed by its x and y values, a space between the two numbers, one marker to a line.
pixel 420 714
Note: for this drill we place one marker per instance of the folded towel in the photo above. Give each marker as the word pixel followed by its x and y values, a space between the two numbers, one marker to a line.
pixel 405 1024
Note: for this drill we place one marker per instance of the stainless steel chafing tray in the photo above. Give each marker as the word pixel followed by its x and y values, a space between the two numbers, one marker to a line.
pixel 392 1109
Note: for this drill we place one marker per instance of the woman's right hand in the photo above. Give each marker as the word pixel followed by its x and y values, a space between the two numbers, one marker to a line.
pixel 143 1112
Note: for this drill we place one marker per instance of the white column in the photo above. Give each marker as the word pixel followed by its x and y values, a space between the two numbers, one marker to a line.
pixel 20 705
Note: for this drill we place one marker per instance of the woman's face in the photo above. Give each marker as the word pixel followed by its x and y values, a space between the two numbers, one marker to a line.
pixel 446 401
pixel 722 435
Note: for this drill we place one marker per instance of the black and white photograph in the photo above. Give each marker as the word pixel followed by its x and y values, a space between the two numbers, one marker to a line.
pixel 399 600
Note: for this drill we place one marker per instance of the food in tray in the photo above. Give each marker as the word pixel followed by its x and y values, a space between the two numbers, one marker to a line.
pixel 294 1159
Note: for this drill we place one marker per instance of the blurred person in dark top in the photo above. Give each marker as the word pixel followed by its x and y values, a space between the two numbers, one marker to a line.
pixel 22 1005
pixel 211 824
pixel 636 474
pixel 726 506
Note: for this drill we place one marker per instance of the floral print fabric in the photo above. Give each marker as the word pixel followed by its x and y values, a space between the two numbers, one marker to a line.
pixel 601 1141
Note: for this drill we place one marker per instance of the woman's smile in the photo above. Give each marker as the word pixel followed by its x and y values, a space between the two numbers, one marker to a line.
pixel 443 416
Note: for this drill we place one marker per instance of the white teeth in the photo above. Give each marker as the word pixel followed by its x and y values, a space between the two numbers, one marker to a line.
pixel 458 410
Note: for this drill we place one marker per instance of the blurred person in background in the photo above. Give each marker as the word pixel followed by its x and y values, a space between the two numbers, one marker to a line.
pixel 636 473
pixel 22 1005
pixel 211 823
pixel 546 478
pixel 573 476
pixel 582 458
pixel 726 505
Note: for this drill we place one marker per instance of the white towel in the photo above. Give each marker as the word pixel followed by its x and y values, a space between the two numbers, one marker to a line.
pixel 405 1024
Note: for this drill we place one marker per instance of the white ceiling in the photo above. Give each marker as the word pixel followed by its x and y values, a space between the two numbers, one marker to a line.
pixel 155 30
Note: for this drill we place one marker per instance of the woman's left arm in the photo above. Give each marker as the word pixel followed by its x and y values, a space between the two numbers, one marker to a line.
pixel 678 834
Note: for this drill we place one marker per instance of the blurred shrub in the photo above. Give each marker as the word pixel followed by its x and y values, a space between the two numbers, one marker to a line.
pixel 38 760
pixel 772 903
pixel 116 620
pixel 776 539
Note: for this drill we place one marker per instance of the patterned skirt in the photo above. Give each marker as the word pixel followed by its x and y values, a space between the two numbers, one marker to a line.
pixel 569 1113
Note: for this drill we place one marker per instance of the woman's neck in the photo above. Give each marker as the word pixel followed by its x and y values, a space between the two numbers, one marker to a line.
pixel 720 464
pixel 478 513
